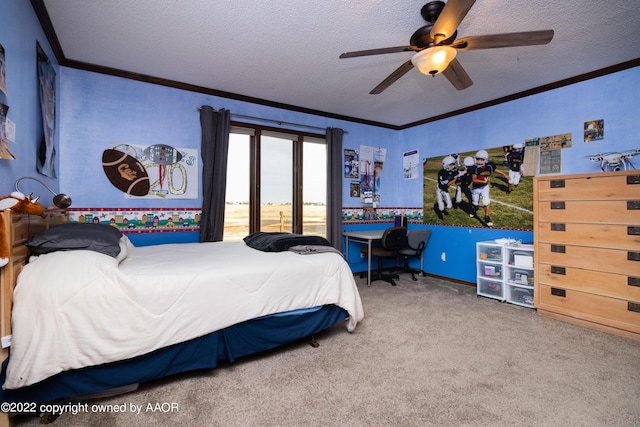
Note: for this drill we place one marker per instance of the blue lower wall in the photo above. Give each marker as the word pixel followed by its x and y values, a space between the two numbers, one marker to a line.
pixel 148 239
pixel 457 243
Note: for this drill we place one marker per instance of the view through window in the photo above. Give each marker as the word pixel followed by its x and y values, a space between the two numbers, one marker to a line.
pixel 276 181
pixel 236 212
pixel 276 184
pixel 314 185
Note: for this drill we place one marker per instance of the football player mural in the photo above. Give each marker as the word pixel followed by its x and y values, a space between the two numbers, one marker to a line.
pixel 484 187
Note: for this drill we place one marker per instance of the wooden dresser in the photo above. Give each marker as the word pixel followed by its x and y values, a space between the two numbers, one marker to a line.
pixel 587 250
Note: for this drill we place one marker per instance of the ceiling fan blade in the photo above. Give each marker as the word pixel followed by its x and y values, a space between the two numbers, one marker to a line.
pixel 451 16
pixel 399 72
pixel 378 51
pixel 492 41
pixel 456 74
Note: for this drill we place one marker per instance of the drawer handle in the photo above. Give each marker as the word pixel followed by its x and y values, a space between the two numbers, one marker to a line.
pixel 633 306
pixel 559 183
pixel 633 231
pixel 559 249
pixel 633 205
pixel 560 227
pixel 557 205
pixel 558 270
pixel 559 292
pixel 633 256
pixel 633 281
pixel 633 179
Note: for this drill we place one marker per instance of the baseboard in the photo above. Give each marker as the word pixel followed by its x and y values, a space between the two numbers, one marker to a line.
pixel 417 271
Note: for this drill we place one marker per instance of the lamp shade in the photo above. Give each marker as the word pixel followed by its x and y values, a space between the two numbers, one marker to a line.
pixel 433 60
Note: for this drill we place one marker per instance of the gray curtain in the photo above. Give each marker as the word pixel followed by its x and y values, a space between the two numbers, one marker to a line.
pixel 334 186
pixel 213 150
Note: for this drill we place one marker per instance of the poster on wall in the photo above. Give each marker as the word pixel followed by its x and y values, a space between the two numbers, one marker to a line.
pixel 355 189
pixel 531 160
pixel 5 153
pixel 172 172
pixel 550 161
pixel 551 152
pixel 3 72
pixel 371 166
pixel 593 130
pixel 505 199
pixel 350 163
pixel 410 161
pixel 366 174
pixel 555 142
pixel 45 163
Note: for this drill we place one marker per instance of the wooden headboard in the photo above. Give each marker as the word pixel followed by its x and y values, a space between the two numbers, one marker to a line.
pixel 18 228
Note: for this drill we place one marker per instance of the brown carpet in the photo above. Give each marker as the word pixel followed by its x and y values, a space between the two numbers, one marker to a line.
pixel 428 353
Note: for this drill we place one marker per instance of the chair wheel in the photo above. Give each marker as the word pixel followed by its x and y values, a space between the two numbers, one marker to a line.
pixel 393 283
pixel 414 279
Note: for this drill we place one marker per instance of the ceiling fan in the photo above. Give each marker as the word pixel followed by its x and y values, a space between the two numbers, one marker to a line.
pixel 435 44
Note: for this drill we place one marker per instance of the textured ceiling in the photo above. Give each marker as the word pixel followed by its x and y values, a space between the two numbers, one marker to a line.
pixel 286 52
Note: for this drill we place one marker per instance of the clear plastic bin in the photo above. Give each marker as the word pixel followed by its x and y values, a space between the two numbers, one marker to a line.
pixel 490 288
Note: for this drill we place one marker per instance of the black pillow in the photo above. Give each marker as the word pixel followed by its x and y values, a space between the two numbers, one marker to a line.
pixel 279 241
pixel 74 236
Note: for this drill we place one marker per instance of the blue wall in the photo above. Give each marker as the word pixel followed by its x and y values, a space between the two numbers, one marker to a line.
pixel 613 98
pixel 95 110
pixel 98 109
pixel 19 32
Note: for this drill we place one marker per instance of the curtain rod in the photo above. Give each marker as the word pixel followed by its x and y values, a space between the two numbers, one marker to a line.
pixel 279 122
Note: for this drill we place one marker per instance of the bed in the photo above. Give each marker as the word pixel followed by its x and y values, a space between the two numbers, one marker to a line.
pixel 83 321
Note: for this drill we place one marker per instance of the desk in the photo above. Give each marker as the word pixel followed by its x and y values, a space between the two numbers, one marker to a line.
pixel 365 237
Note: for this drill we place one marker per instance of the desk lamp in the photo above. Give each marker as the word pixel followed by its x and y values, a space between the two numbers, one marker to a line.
pixel 61 201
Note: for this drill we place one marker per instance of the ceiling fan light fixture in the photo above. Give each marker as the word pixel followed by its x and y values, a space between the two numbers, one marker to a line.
pixel 433 60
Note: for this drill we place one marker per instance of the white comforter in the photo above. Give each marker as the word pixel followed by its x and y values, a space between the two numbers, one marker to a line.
pixel 80 308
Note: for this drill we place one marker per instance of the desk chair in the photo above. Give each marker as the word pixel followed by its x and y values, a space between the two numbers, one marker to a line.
pixel 417 240
pixel 392 240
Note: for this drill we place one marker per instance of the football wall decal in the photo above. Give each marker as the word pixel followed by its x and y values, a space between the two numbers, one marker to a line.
pixel 125 172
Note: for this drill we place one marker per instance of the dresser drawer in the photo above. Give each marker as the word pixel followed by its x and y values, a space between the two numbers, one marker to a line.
pixel 608 211
pixel 614 312
pixel 624 262
pixel 616 236
pixel 594 282
pixel 613 186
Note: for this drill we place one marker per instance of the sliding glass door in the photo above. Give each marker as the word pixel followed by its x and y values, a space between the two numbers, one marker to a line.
pixel 276 181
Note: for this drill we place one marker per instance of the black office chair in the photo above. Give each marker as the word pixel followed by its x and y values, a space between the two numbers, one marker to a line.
pixel 393 239
pixel 417 240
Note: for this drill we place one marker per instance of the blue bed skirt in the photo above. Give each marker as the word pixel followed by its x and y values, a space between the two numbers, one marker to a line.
pixel 239 340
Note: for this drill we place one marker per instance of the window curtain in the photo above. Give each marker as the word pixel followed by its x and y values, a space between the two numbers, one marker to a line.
pixel 333 138
pixel 213 151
